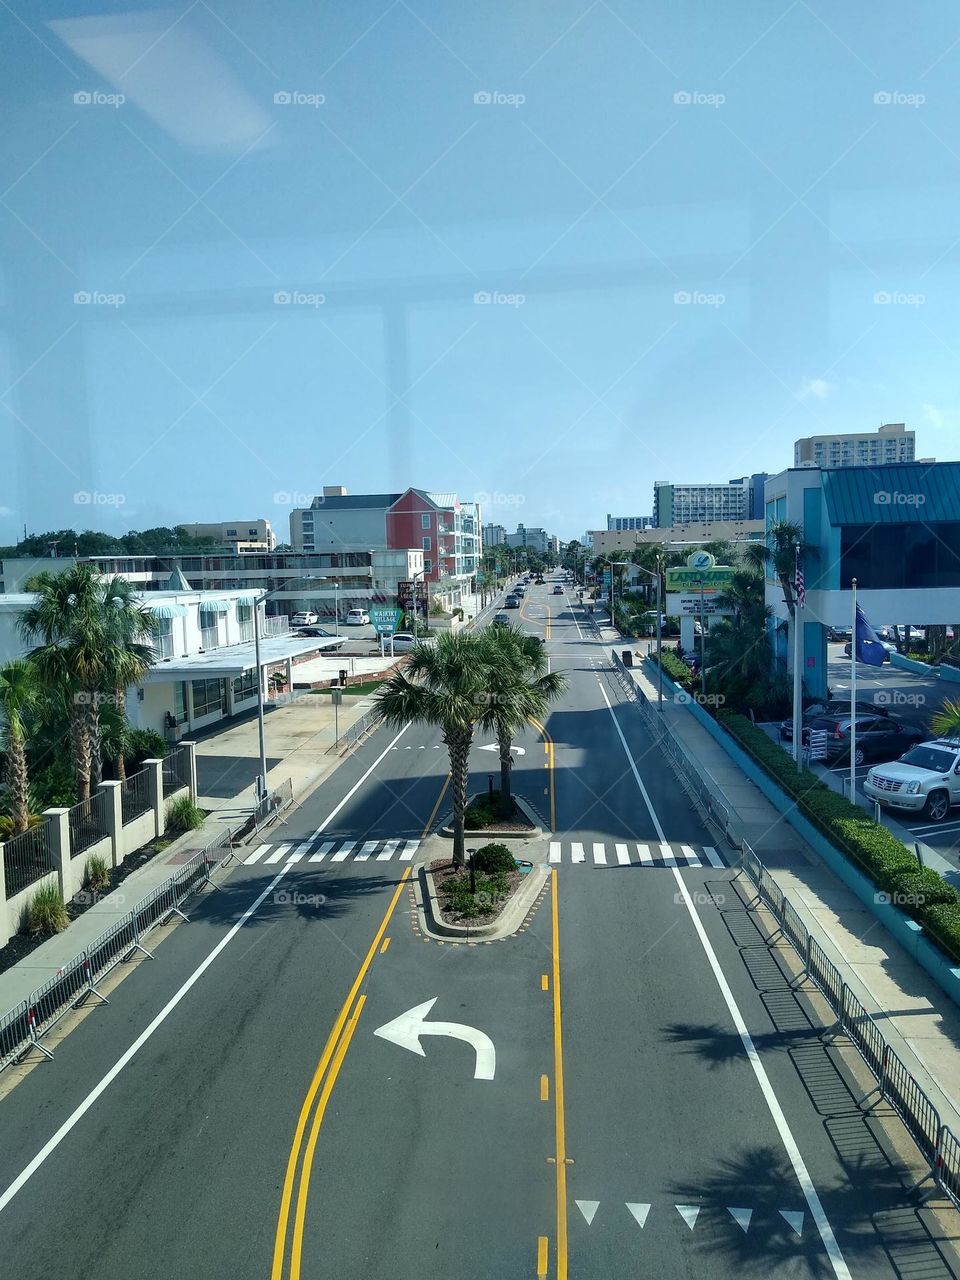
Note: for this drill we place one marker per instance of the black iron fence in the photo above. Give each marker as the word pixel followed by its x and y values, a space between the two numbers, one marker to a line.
pixel 135 796
pixel 27 858
pixel 88 823
pixel 176 771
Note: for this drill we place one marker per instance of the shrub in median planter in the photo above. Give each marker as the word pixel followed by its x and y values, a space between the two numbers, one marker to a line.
pixel 678 671
pixel 183 815
pixel 494 860
pixel 47 914
pixel 478 814
pixel 98 873
pixel 942 922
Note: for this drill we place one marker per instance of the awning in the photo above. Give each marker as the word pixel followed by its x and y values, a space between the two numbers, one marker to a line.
pixel 215 605
pixel 168 610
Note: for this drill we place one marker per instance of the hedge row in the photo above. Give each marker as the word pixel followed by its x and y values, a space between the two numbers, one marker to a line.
pixel 677 670
pixel 918 891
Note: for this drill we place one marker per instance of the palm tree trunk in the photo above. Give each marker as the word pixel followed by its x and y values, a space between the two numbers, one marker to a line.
pixel 80 750
pixel 93 737
pixel 17 782
pixel 120 764
pixel 458 744
pixel 506 763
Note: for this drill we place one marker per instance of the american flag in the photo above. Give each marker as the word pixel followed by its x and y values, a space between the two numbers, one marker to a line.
pixel 798 583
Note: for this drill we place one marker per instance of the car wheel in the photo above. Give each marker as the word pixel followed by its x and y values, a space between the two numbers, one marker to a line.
pixel 937 806
pixel 858 756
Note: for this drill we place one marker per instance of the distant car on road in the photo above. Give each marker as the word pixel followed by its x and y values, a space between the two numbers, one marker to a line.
pixel 519 591
pixel 558 590
pixel 501 620
pixel 304 619
pixel 512 602
pixel 357 618
pixel 926 779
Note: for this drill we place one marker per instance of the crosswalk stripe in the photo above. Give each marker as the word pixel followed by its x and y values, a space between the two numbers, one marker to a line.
pixel 278 853
pixel 623 855
pixel 645 855
pixel 389 849
pixel 599 855
pixel 343 854
pixel 366 851
pixel 712 856
pixel 411 848
pixel 322 852
pixel 303 847
pixel 577 852
pixel 690 856
pixel 554 850
pixel 256 855
pixel 666 853
pixel 294 857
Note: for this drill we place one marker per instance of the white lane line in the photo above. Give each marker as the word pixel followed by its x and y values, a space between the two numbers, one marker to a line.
pixel 356 786
pixel 322 851
pixel 666 853
pixel 22 1179
pixel 366 851
pixel 294 857
pixel 554 850
pixel 343 854
pixel 278 853
pixel 256 855
pixel 646 857
pixel 623 855
pixel 712 856
pixel 577 853
pixel 690 856
pixel 837 1261
pixel 389 849
pixel 599 855
pixel 410 850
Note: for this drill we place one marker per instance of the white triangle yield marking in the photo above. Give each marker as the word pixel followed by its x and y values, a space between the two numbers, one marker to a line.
pixel 576 851
pixel 741 1217
pixel 322 851
pixel 645 856
pixel 407 855
pixel 623 855
pixel 554 850
pixel 689 1213
pixel 389 849
pixel 278 853
pixel 256 855
pixel 712 856
pixel 666 853
pixel 588 1208
pixel 640 1212
pixel 422 746
pixel 366 851
pixel 599 855
pixel 343 854
pixel 794 1220
pixel 690 856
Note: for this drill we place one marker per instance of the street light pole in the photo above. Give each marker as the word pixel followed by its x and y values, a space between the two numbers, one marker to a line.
pixel 703 668
pixel 262 777
pixel 656 576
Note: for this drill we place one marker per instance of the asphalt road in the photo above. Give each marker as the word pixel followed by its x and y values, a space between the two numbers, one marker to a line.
pixel 659 1103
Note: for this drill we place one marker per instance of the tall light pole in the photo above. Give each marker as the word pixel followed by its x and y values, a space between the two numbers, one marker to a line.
pixel 656 576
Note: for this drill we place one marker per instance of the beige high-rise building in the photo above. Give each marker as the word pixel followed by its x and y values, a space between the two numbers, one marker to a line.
pixel 240 535
pixel 892 443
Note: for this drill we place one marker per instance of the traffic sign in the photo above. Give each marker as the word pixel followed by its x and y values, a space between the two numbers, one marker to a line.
pixel 385 621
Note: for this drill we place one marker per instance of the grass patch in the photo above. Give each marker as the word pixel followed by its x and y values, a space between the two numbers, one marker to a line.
pixel 47 914
pixel 183 815
pixel 98 873
pixel 365 687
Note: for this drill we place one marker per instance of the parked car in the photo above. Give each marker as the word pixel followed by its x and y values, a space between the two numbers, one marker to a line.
pixel 888 648
pixel 878 737
pixel 558 590
pixel 320 632
pixel 926 779
pixel 357 618
pixel 403 641
pixel 512 602
pixel 836 707
pixel 304 619
pixel 836 634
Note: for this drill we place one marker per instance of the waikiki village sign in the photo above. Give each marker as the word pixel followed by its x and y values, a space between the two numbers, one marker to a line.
pixel 693 590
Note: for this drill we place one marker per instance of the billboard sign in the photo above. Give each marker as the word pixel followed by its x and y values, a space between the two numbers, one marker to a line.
pixel 405 592
pixel 385 621
pixel 701 573
pixel 688 604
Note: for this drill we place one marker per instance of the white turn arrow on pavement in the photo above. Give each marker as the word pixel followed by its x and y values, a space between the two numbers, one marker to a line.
pixel 410 1026
pixel 492 746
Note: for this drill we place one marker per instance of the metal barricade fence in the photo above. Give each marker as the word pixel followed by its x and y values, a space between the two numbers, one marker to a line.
pixel 119 941
pixel 88 823
pixel 911 1104
pixel 947 1166
pixel 27 858
pixel 14 1034
pixel 273 803
pixel 826 975
pixel 135 796
pixel 795 929
pixel 862 1030
pixel 52 1000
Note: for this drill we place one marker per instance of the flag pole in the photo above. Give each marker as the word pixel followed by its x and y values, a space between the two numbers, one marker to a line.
pixel 797 696
pixel 853 693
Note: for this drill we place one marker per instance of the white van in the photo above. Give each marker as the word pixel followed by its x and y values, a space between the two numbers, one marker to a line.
pixel 357 618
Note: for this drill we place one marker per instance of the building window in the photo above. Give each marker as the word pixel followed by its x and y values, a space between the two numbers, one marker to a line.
pixel 165 637
pixel 427 565
pixel 209 629
pixel 207 697
pixel 245 619
pixel 427 545
pixel 245 686
pixel 425 522
pixel 180 702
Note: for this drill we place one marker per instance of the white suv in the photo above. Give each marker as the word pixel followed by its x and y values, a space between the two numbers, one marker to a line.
pixel 357 617
pixel 927 778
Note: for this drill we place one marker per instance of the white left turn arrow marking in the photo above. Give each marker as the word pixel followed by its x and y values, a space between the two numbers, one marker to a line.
pixel 410 1026
pixel 492 746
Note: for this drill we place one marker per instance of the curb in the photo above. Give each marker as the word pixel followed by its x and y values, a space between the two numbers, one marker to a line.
pixel 535 832
pixel 520 906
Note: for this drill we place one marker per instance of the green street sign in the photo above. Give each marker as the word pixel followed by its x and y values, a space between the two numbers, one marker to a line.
pixel 690 579
pixel 385 621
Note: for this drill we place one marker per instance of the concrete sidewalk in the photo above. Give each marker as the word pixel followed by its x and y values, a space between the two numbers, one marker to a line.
pixel 300 742
pixel 917 1017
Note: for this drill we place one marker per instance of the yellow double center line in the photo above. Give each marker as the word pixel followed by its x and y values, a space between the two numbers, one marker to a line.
pixel 548 750
pixel 318 1094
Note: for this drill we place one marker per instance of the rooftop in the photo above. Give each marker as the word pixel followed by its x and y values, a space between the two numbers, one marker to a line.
pixel 895 493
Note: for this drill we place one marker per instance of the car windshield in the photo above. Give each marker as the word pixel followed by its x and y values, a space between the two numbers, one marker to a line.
pixel 934 758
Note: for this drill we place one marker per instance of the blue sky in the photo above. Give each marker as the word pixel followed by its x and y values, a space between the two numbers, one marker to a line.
pixel 548 253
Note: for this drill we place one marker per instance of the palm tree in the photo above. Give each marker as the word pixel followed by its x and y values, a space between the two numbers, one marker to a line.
pixel 779 551
pixel 945 723
pixel 127 655
pixel 520 687
pixel 19 694
pixel 445 685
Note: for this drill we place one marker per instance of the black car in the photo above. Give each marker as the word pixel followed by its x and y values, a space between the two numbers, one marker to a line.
pixel 512 602
pixel 838 708
pixel 500 620
pixel 878 737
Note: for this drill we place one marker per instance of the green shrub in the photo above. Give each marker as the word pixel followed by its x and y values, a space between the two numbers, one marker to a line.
pixel 478 814
pixel 183 815
pixel 147 744
pixel 46 914
pixel 494 859
pixel 97 873
pixel 673 667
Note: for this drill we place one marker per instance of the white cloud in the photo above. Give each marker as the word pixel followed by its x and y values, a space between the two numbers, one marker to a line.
pixel 816 387
pixel 934 415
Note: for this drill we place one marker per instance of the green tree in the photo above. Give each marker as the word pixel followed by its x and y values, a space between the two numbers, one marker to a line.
pixel 945 723
pixel 127 655
pixel 779 554
pixel 19 694
pixel 520 686
pixel 444 685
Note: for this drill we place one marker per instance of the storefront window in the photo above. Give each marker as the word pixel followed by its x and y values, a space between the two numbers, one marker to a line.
pixel 208 696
